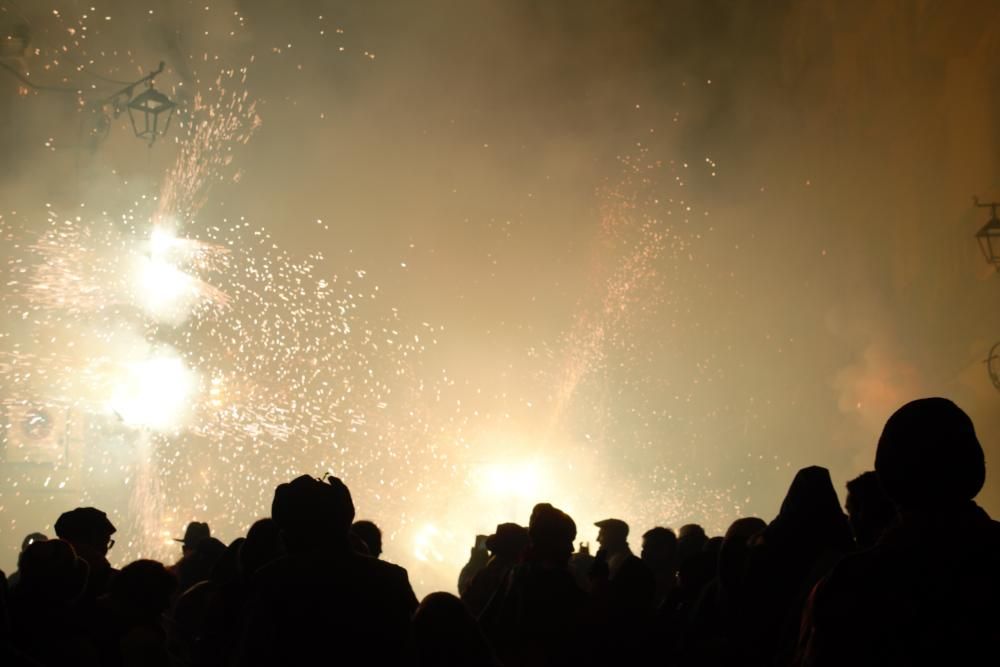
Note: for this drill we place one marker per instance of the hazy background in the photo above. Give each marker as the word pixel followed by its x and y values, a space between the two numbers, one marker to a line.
pixel 685 247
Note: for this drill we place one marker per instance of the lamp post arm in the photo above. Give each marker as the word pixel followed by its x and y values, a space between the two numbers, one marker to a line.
pixel 36 86
pixel 127 90
pixel 990 205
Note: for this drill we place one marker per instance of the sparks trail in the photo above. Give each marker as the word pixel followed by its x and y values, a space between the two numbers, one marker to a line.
pixel 634 238
pixel 214 352
pixel 213 127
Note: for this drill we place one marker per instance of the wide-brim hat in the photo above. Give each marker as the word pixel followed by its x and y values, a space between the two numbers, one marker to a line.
pixel 508 538
pixel 195 532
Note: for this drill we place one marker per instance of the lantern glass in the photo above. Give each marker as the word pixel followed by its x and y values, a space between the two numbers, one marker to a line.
pixel 989 242
pixel 150 112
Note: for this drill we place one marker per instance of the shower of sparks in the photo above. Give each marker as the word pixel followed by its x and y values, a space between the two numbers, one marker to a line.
pixel 224 340
pixel 193 361
pixel 214 129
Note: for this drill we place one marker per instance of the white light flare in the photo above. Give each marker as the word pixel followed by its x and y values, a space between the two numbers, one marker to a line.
pixel 160 288
pixel 522 481
pixel 427 544
pixel 162 241
pixel 155 393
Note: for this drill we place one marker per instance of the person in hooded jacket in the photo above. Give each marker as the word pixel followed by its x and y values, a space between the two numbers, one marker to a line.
pixel 809 535
pixel 927 592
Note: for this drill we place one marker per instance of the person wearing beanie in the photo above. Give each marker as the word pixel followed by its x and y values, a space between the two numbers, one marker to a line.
pixel 926 593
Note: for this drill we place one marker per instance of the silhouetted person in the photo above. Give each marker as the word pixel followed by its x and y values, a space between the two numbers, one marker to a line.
pixel 323 603
pixel 712 628
pixel 46 619
pixel 505 546
pixel 197 564
pixel 713 546
pixel 9 656
pixel 677 612
pixel 659 551
pixel 580 564
pixel 927 593
pixel 4 612
pixel 445 634
pixel 536 617
pixel 370 535
pixel 29 539
pixel 195 532
pixel 128 627
pixel 691 540
pixel 630 581
pixel 623 589
pixel 89 531
pixel 479 555
pixel 205 618
pixel 263 545
pixel 869 509
pixel 809 535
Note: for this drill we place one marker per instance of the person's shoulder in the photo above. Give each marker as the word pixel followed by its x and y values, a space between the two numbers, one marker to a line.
pixel 273 572
pixel 634 561
pixel 381 570
pixel 379 566
pixel 860 570
pixel 635 565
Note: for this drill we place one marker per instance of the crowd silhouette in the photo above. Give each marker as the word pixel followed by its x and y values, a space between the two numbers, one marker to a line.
pixel 909 575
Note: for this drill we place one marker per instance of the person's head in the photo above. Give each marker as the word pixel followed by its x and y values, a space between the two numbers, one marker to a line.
pixel 31 538
pixel 691 540
pixel 659 547
pixel 811 495
pixel 612 534
pixel 144 589
pixel 509 541
pixel 691 531
pixel 928 456
pixel 311 513
pixel 713 545
pixel 445 633
pixel 743 530
pixel 89 531
pixel 263 544
pixel 735 549
pixel 869 509
pixel 810 519
pixel 51 572
pixel 195 532
pixel 551 532
pixel 227 568
pixel 370 535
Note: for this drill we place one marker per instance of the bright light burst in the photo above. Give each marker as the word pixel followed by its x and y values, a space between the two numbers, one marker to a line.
pixel 228 364
pixel 512 480
pixel 155 393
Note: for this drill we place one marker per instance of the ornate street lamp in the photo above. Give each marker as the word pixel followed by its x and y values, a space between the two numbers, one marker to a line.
pixel 993 365
pixel 989 235
pixel 150 113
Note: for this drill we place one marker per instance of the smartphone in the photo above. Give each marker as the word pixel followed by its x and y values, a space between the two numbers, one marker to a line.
pixel 481 542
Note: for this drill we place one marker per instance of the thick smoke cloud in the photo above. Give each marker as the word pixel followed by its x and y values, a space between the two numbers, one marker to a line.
pixel 463 153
